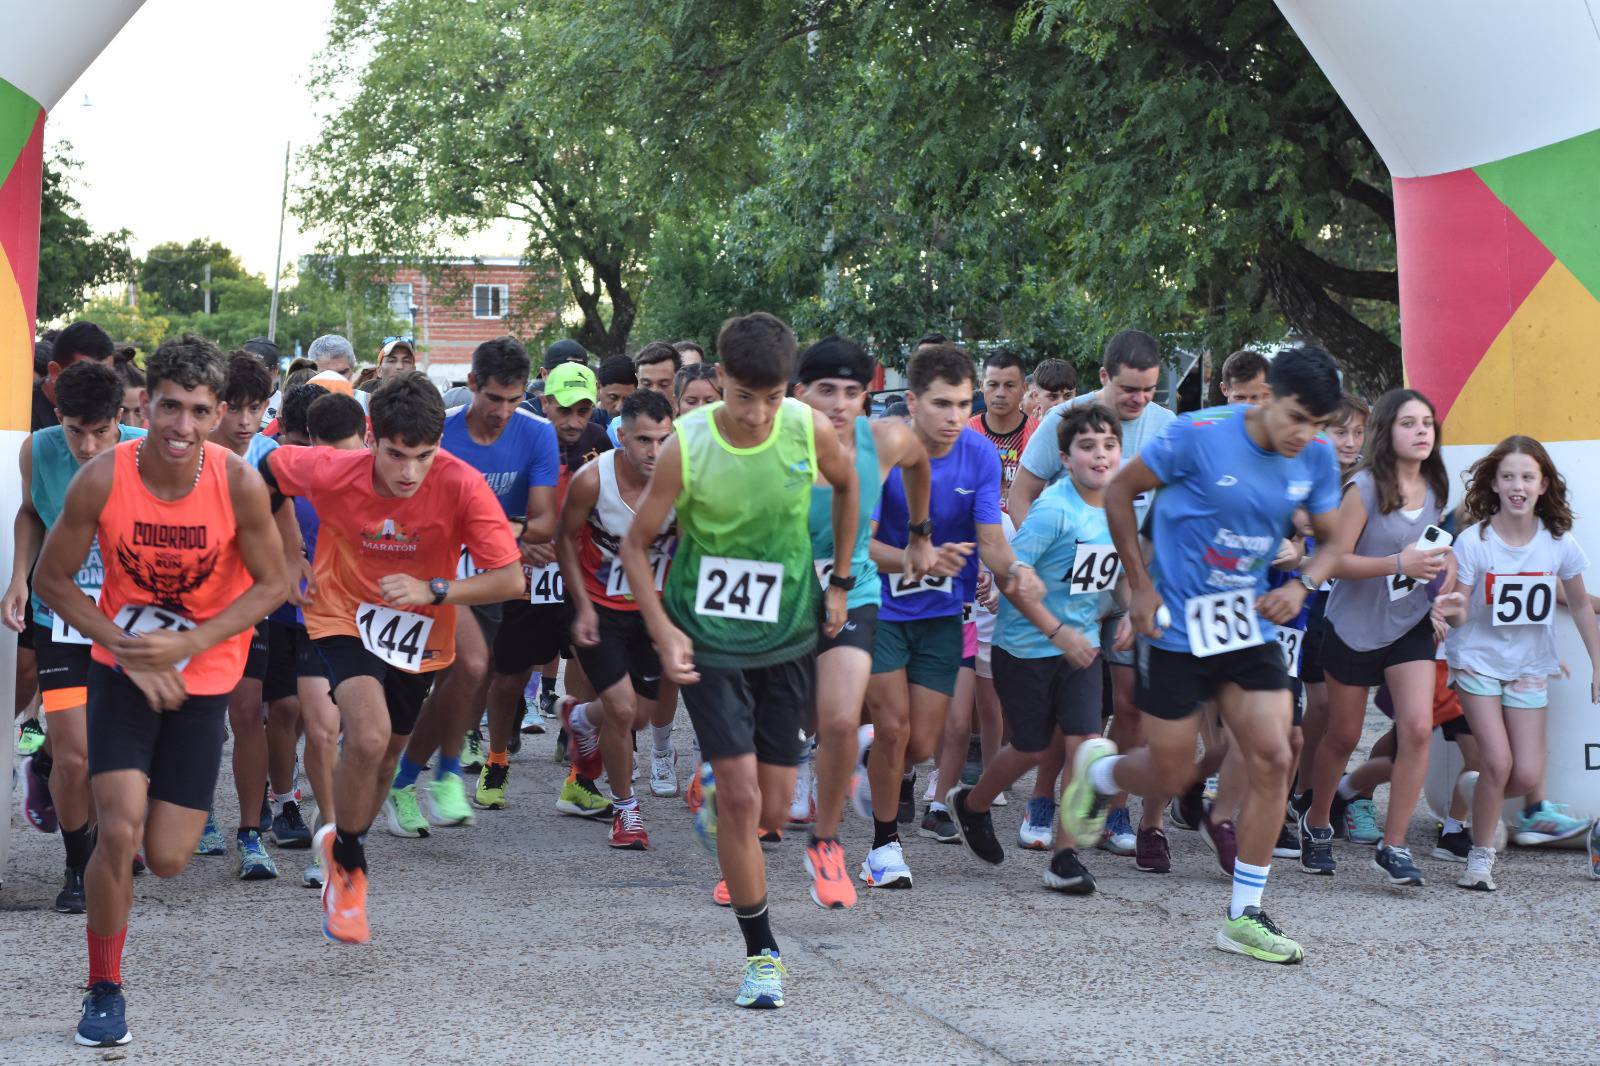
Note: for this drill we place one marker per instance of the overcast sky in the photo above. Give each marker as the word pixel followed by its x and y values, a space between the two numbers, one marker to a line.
pixel 181 122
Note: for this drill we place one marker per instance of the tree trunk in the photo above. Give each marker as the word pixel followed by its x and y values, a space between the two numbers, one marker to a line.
pixel 596 336
pixel 1371 361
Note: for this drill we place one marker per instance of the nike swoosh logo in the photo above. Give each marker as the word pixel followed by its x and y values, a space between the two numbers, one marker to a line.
pixel 966 492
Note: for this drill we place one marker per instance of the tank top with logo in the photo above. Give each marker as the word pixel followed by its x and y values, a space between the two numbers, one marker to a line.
pixel 608 523
pixel 53 468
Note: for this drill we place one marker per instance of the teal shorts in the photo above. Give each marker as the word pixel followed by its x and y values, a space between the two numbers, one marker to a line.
pixel 1529 693
pixel 927 649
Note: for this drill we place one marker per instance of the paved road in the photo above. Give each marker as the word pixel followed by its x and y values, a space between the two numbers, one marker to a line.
pixel 527 940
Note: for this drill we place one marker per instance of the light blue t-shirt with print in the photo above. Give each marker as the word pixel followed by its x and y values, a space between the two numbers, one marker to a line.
pixel 1058 525
pixel 1042 457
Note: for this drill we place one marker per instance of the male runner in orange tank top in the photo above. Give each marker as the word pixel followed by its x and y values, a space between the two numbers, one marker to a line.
pixel 192 561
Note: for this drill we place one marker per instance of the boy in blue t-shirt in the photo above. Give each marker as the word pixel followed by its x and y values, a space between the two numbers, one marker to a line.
pixel 1047 669
pixel 1231 478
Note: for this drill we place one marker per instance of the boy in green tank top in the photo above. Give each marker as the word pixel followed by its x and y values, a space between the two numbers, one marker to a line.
pixel 736 624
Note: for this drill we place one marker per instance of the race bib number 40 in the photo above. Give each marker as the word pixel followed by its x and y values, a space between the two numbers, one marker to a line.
pixel 742 589
pixel 1095 568
pixel 545 585
pixel 61 633
pixel 135 619
pixel 1222 622
pixel 1522 599
pixel 395 636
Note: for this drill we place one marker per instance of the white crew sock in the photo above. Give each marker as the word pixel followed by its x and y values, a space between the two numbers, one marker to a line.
pixel 1101 775
pixel 1248 884
pixel 661 737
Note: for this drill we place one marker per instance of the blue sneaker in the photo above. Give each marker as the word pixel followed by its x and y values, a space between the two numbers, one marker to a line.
pixel 1117 837
pixel 705 819
pixel 762 987
pixel 1037 832
pixel 254 862
pixel 1549 824
pixel 104 1022
pixel 289 830
pixel 211 842
pixel 1361 822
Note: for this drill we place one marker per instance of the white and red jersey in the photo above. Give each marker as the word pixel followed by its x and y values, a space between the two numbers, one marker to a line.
pixel 608 523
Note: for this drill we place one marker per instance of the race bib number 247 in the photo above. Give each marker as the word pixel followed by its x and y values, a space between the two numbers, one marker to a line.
pixel 746 590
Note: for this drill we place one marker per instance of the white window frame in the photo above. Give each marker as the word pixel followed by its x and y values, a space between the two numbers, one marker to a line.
pixel 493 295
pixel 396 308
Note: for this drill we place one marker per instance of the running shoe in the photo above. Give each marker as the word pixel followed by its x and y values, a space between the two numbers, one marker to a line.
pixel 975 831
pixel 289 830
pixel 1186 810
pixel 1336 815
pixel 584 746
pixel 1479 874
pixel 720 895
pixel 705 819
pixel 1255 935
pixel 36 801
pixel 30 738
pixel 692 796
pixel 491 791
pixel 1083 809
pixel 972 766
pixel 1396 864
pixel 1316 849
pixel 938 825
pixel 560 756
pixel 447 801
pixel 803 803
pixel 1548 824
pixel 830 881
pixel 547 703
pixel 138 863
pixel 472 752
pixel 627 830
pixel 1118 837
pixel 344 895
pixel 1000 799
pixel 886 867
pixel 580 798
pixel 762 987
pixel 908 800
pixel 1066 874
pixel 1454 846
pixel 211 839
pixel 1150 851
pixel 1361 822
pixel 255 864
pixel 1288 845
pixel 70 899
pixel 401 814
pixel 1038 829
pixel 861 781
pixel 769 836
pixel 1222 839
pixel 104 1021
pixel 311 876
pixel 1594 852
pixel 664 773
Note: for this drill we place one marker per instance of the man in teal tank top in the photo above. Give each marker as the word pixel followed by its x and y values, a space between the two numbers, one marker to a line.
pixel 88 398
pixel 736 624
pixel 833 378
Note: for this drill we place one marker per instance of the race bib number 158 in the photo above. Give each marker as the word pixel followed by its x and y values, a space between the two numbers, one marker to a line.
pixel 1222 622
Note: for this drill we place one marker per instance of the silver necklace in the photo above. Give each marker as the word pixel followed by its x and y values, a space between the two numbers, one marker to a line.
pixel 138 462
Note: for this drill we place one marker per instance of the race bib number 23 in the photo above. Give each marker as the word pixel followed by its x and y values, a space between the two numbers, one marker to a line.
pixel 743 589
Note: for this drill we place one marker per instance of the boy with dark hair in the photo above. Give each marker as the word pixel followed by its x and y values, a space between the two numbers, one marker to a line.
pixel 658 364
pixel 690 352
pixel 1244 378
pixel 1003 420
pixel 1055 382
pixel 617 378
pixel 292 427
pixel 81 340
pixel 333 419
pixel 758 350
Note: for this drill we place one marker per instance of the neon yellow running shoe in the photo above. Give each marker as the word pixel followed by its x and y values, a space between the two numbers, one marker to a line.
pixel 1254 934
pixel 581 799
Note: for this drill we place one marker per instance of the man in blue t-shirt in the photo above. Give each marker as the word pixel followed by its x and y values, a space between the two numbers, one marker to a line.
pixel 1231 477
pixel 517 453
pixel 918 645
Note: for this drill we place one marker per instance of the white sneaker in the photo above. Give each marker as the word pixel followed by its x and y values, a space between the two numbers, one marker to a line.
pixel 886 867
pixel 664 773
pixel 860 784
pixel 1000 800
pixel 311 876
pixel 803 804
pixel 1479 874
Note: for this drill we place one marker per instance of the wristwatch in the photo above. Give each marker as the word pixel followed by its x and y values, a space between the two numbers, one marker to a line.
pixel 440 589
pixel 1310 586
pixel 923 528
pixel 838 581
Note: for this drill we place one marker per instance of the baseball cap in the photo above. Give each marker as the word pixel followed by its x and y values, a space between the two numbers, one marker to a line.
pixel 565 351
pixel 835 357
pixel 570 384
pixel 392 343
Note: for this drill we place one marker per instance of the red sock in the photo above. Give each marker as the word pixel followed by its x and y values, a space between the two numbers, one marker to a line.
pixel 105 956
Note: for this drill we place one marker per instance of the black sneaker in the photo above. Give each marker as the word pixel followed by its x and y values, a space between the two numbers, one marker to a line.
pixel 908 800
pixel 1316 849
pixel 938 824
pixel 1066 874
pixel 1336 816
pixel 976 830
pixel 1288 845
pixel 289 830
pixel 70 899
pixel 1187 810
pixel 1396 864
pixel 547 703
pixel 1453 847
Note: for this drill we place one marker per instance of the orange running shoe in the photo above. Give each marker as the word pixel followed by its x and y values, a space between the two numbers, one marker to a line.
pixel 720 896
pixel 693 795
pixel 344 895
pixel 831 888
pixel 770 836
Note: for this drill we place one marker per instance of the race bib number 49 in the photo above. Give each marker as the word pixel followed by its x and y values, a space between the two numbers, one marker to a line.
pixel 1222 622
pixel 134 620
pixel 61 633
pixel 1095 568
pixel 397 637
pixel 1522 599
pixel 742 589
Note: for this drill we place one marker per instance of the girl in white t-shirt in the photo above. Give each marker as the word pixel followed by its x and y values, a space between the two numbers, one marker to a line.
pixel 1510 560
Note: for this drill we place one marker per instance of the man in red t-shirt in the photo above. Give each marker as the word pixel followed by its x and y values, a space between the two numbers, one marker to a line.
pixel 1003 421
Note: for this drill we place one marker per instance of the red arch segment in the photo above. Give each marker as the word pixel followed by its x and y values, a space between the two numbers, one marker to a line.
pixel 1466 264
pixel 19 214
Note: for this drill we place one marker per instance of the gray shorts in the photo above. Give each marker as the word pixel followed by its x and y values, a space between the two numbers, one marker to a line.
pixel 1108 637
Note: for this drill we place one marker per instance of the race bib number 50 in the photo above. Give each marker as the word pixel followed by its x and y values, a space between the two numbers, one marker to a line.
pixel 742 589
pixel 1222 622
pixel 397 637
pixel 1522 599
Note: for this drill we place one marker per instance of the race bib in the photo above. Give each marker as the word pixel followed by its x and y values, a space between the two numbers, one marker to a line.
pixel 465 567
pixel 545 585
pixel 61 633
pixel 617 578
pixel 1222 622
pixel 1095 568
pixel 902 585
pixel 1401 586
pixel 1522 599
pixel 135 619
pixel 824 571
pixel 742 589
pixel 1289 640
pixel 395 636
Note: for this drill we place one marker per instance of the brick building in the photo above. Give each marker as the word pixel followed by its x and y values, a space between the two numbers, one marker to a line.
pixel 454 309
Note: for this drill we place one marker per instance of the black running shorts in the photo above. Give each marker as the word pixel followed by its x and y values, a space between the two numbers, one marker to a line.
pixel 531 634
pixel 1039 696
pixel 1173 684
pixel 346 657
pixel 860 626
pixel 624 650
pixel 760 710
pixel 179 751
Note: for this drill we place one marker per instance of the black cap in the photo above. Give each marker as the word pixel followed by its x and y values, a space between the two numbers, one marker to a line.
pixel 617 370
pixel 565 350
pixel 835 357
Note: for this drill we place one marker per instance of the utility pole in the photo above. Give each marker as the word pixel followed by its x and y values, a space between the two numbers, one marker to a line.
pixel 207 288
pixel 277 266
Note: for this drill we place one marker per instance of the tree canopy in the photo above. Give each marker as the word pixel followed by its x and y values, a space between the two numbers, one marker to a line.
pixel 73 259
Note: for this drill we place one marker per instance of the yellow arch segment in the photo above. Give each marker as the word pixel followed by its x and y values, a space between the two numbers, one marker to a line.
pixel 16 336
pixel 1541 376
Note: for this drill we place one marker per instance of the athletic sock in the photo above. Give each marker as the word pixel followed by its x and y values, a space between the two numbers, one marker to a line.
pixel 884 833
pixel 579 719
pixel 280 798
pixel 105 956
pixel 407 773
pixel 1248 884
pixel 1100 775
pixel 1453 826
pixel 498 758
pixel 547 685
pixel 79 843
pixel 756 928
pixel 349 848
pixel 448 764
pixel 1347 793
pixel 661 738
pixel 1532 809
pixel 620 804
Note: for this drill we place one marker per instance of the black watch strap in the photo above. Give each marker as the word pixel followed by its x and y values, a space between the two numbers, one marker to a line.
pixel 846 582
pixel 440 587
pixel 923 528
